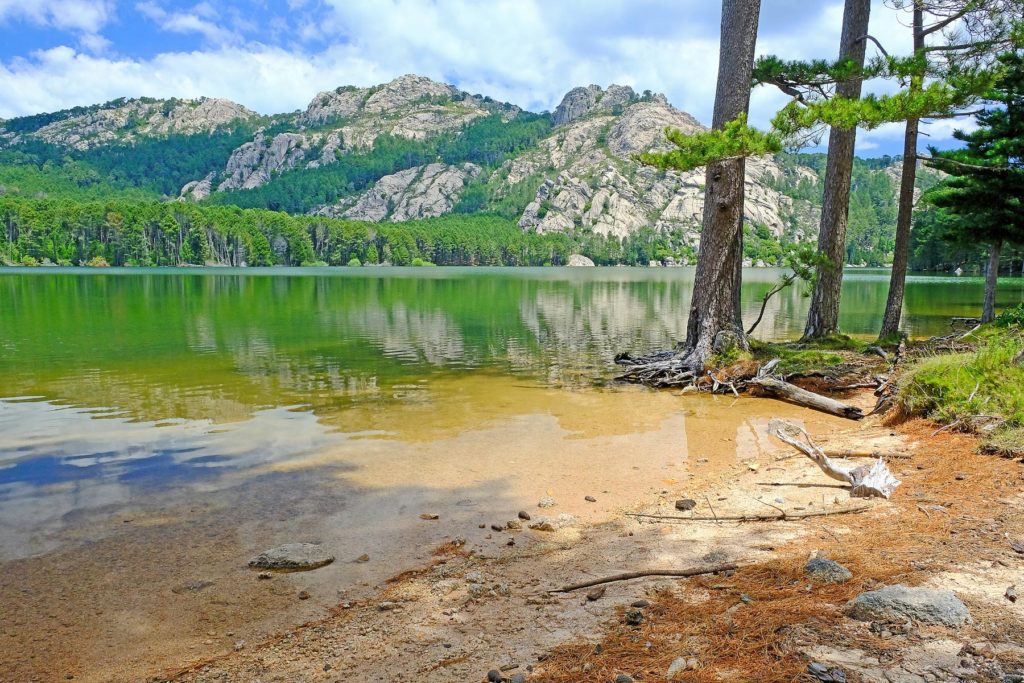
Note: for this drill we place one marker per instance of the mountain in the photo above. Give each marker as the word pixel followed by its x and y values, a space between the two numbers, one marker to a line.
pixel 412 149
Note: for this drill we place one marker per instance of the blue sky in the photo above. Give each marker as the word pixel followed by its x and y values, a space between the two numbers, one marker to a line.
pixel 275 55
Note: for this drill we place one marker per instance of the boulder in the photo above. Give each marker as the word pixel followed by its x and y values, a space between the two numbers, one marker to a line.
pixel 827 571
pixel 897 603
pixel 579 260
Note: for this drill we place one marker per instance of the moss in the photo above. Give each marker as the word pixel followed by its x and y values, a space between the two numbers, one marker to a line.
pixel 796 358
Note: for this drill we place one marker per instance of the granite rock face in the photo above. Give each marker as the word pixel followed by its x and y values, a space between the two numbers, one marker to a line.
pixel 420 192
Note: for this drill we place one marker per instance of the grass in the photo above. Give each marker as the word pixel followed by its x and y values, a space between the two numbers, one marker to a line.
pixel 979 391
pixel 797 358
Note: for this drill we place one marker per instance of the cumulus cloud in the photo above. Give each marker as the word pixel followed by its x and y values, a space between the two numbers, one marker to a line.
pixel 528 52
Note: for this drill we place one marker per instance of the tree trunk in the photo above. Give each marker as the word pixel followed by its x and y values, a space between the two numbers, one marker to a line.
pixel 904 216
pixel 714 310
pixel 988 311
pixel 823 317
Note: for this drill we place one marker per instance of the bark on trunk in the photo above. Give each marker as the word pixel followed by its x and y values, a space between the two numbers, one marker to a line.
pixel 905 212
pixel 714 309
pixel 988 312
pixel 823 316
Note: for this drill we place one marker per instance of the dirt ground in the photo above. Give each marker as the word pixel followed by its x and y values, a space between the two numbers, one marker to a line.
pixel 484 605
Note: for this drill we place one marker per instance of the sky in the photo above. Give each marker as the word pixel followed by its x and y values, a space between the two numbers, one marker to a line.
pixel 273 56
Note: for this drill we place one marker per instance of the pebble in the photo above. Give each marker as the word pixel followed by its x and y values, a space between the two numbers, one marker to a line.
pixel 264 575
pixel 596 593
pixel 640 603
pixel 303 595
pixel 524 515
pixel 497 527
pixel 494 676
pixel 634 617
pixel 685 504
pixel 363 558
pixel 822 673
pixel 590 499
pixel 546 502
pixel 519 678
pixel 1011 593
pixel 430 516
pixel 623 678
pixel 513 525
pixel 827 571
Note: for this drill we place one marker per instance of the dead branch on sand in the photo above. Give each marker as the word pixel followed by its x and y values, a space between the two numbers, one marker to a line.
pixel 784 517
pixel 866 481
pixel 682 573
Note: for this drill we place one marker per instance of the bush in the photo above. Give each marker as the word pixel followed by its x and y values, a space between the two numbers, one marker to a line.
pixel 97 262
pixel 421 262
pixel 354 262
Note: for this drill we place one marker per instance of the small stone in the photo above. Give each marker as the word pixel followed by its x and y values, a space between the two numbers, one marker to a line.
pixel 678 664
pixel 596 593
pixel 897 603
pixel 1011 593
pixel 497 527
pixel 388 606
pixel 685 504
pixel 546 502
pixel 263 576
pixel 513 525
pixel 363 558
pixel 524 515
pixel 494 676
pixel 623 678
pixel 474 577
pixel 746 599
pixel 482 526
pixel 327 667
pixel 303 595
pixel 519 678
pixel 827 571
pixel 590 499
pixel 552 523
pixel 295 557
pixel 634 617
pixel 640 603
pixel 430 516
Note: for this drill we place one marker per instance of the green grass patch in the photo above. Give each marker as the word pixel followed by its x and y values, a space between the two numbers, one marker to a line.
pixel 959 387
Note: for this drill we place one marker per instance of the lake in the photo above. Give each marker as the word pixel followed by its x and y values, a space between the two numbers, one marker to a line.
pixel 160 427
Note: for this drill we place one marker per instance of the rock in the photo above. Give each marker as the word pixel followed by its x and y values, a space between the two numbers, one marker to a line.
pixel 634 617
pixel 388 606
pixel 623 678
pixel 363 558
pixel 546 502
pixel 1011 593
pixel 513 525
pixel 494 676
pixel 896 603
pixel 640 603
pixel 596 593
pixel 497 527
pixel 420 192
pixel 579 261
pixel 191 587
pixel 519 678
pixel 524 515
pixel 827 571
pixel 590 499
pixel 474 577
pixel 296 557
pixel 304 595
pixel 553 523
pixel 685 504
pixel 264 575
pixel 430 516
pixel 824 674
pixel 678 665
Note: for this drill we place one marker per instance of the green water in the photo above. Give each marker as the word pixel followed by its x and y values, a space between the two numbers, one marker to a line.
pixel 119 383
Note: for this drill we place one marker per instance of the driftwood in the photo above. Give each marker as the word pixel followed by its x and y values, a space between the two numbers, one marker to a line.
pixel 808 399
pixel 782 517
pixel 866 481
pixel 683 573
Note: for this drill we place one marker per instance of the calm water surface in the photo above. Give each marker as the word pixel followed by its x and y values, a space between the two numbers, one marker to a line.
pixel 161 426
pixel 154 377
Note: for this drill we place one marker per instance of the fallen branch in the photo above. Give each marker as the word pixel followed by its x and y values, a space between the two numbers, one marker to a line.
pixel 683 573
pixel 866 481
pixel 808 399
pixel 785 517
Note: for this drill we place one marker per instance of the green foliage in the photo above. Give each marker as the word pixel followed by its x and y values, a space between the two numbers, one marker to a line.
pixel 794 359
pixel 1011 317
pixel 953 388
pixel 354 262
pixel 735 140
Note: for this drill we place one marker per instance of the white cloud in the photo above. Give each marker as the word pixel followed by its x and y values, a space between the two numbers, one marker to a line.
pixel 529 52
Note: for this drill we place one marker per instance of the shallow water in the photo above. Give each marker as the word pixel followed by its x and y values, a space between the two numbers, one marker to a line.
pixel 161 427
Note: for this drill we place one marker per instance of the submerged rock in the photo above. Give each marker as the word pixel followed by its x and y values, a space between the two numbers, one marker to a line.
pixel 293 557
pixel 928 605
pixel 827 571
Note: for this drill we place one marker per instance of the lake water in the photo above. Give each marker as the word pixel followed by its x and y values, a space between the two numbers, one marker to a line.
pixel 158 427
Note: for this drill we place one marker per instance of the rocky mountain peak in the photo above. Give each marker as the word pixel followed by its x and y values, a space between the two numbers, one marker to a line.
pixel 580 102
